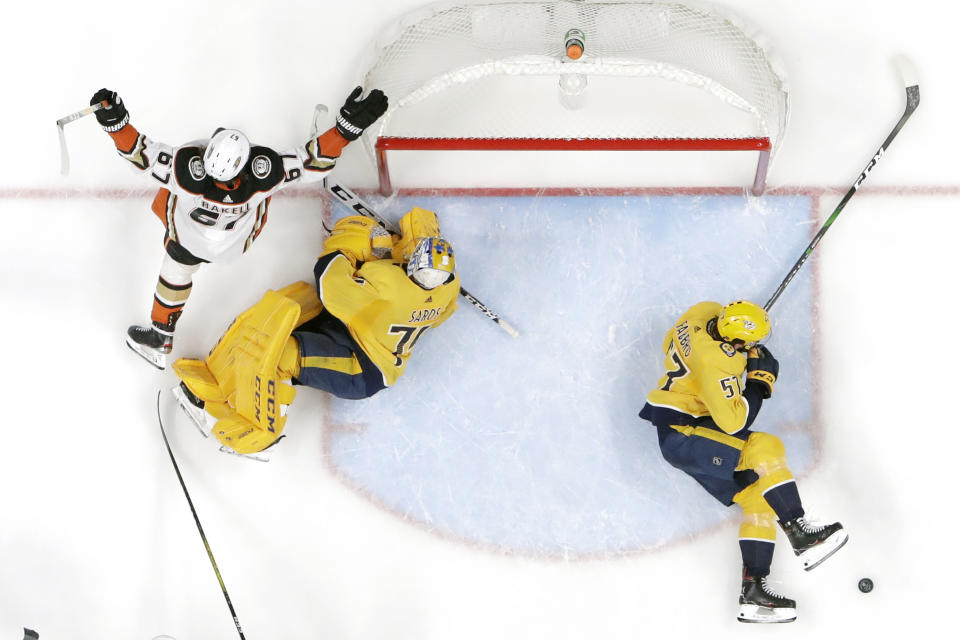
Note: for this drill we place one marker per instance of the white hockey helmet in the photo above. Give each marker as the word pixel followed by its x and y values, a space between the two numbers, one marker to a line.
pixel 226 154
pixel 431 263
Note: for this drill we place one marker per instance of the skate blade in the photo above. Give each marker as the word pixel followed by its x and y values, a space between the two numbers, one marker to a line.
pixel 197 416
pixel 753 613
pixel 256 457
pixel 813 558
pixel 159 360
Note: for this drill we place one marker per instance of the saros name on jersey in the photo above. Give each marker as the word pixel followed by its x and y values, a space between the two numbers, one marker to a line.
pixel 425 315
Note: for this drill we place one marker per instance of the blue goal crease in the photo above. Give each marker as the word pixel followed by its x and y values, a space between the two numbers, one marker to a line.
pixel 534 444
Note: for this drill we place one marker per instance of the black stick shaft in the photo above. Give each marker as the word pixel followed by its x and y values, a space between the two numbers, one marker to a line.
pixel 913 101
pixel 196 519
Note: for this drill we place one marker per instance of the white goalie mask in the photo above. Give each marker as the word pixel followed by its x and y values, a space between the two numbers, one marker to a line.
pixel 226 154
pixel 431 263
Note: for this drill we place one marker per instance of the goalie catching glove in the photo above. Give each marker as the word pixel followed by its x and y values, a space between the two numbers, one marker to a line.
pixel 244 382
pixel 763 368
pixel 360 239
pixel 415 225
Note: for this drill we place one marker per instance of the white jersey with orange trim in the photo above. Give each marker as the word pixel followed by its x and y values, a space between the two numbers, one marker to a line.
pixel 219 221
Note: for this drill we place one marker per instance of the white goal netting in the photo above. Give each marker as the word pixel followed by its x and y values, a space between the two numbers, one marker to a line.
pixel 496 70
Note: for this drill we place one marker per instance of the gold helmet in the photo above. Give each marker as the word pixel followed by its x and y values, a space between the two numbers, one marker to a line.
pixel 431 263
pixel 744 321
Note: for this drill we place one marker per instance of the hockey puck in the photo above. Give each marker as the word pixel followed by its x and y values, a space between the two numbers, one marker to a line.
pixel 865 585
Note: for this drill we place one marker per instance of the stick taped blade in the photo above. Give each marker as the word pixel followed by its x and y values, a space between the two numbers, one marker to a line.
pixel 508 328
pixel 907 70
pixel 319 112
pixel 64 158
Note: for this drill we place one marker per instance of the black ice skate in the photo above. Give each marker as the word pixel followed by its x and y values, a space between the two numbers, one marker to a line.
pixel 151 344
pixel 814 543
pixel 759 603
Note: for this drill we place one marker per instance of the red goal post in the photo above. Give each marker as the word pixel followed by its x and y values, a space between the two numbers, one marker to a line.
pixel 654 76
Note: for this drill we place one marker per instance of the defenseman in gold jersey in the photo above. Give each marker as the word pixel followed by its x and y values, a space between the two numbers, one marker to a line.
pixel 375 296
pixel 703 410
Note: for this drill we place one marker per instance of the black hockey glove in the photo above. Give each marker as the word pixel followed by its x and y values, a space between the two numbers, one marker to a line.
pixel 114 116
pixel 763 368
pixel 357 115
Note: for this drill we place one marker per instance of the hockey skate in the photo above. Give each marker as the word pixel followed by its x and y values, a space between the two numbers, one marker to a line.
pixel 204 422
pixel 259 456
pixel 152 345
pixel 193 407
pixel 814 543
pixel 759 603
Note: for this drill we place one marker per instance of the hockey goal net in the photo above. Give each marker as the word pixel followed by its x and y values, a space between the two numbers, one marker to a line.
pixel 653 76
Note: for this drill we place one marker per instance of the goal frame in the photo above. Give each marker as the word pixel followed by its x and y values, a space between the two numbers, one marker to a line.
pixel 400 143
pixel 628 39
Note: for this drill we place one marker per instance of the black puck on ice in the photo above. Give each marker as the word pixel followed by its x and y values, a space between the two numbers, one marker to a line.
pixel 865 585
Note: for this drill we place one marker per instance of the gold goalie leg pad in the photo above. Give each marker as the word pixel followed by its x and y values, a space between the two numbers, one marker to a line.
pixel 197 377
pixel 305 295
pixel 242 435
pixel 240 377
pixel 245 361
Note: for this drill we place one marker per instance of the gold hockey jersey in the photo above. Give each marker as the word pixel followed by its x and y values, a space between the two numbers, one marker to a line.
pixel 703 379
pixel 382 308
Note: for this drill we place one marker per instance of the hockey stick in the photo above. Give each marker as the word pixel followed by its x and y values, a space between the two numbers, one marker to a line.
pixel 912 88
pixel 353 202
pixel 319 111
pixel 196 519
pixel 64 157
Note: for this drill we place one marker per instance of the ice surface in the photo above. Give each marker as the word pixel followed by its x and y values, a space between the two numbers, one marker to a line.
pixel 534 444
pixel 96 540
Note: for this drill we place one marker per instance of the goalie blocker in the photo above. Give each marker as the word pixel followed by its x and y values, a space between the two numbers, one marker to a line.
pixel 376 294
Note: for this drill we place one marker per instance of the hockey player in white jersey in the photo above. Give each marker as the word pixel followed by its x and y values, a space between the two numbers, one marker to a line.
pixel 214 197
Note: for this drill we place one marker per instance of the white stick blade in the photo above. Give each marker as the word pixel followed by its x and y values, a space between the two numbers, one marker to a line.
pixel 509 329
pixel 907 70
pixel 64 158
pixel 319 112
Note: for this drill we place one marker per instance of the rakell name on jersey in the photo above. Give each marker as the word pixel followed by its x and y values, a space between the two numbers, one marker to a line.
pixel 218 209
pixel 424 315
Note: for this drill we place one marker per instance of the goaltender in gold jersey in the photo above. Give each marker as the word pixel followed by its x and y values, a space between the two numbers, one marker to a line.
pixel 376 295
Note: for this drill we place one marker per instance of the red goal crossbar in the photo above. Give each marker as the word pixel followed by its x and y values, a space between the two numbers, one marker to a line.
pixel 388 143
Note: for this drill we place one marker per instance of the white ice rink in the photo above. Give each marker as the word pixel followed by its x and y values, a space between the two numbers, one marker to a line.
pixel 504 488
